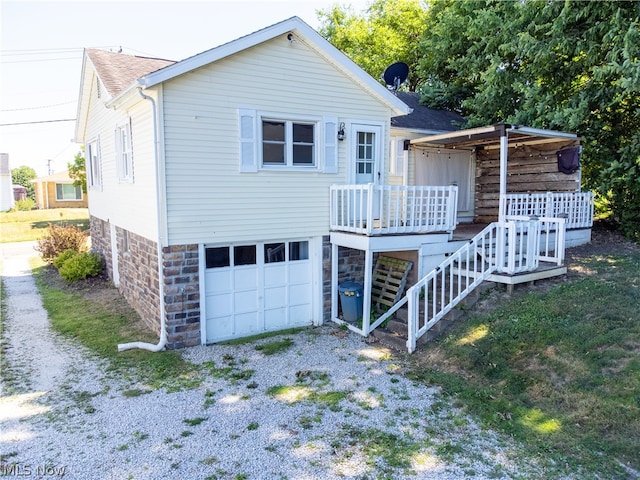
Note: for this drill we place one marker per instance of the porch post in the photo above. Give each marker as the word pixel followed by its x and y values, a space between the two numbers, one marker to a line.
pixel 334 281
pixel 366 301
pixel 504 149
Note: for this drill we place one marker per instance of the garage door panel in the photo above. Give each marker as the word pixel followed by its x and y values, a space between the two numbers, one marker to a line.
pixel 275 275
pixel 300 294
pixel 245 278
pixel 299 272
pixel 300 315
pixel 218 280
pixel 219 305
pixel 275 297
pixel 220 327
pixel 246 323
pixel 245 301
pixel 275 318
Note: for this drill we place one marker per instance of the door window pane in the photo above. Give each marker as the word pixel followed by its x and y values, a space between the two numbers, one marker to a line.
pixel 298 250
pixel 244 255
pixel 274 252
pixel 217 257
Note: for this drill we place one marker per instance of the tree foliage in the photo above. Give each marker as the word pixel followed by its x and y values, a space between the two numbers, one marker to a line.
pixel 386 33
pixel 561 65
pixel 77 170
pixel 23 176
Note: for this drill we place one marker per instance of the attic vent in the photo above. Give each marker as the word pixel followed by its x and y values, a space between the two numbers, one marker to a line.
pixel 98 87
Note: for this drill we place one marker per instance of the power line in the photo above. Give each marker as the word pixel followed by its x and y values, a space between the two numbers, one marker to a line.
pixel 36 108
pixel 39 121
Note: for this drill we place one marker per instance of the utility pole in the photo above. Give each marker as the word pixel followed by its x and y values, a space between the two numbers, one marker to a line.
pixel 49 166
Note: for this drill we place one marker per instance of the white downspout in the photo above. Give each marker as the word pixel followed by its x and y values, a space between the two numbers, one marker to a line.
pixel 159 199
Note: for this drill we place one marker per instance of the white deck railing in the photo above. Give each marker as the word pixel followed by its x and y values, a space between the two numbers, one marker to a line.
pixel 387 209
pixel 575 207
pixel 513 246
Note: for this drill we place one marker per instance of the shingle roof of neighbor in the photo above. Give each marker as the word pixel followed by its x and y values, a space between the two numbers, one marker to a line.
pixel 426 118
pixel 118 70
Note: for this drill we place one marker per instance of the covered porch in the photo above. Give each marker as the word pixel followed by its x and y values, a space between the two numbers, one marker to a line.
pixel 527 207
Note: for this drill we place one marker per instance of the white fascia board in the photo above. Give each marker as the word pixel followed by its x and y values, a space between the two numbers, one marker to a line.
pixel 83 99
pixel 443 137
pixel 307 34
pixel 539 132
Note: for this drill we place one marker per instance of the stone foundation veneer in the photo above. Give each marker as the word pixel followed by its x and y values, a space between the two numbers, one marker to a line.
pixel 139 285
pixel 180 265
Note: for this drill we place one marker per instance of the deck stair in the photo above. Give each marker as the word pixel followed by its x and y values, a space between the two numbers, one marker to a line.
pixel 394 333
pixel 503 250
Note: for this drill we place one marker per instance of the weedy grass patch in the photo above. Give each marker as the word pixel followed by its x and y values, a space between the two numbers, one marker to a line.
pixel 32 225
pixel 558 370
pixel 95 314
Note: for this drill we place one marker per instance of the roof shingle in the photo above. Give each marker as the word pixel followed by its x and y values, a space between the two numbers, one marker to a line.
pixel 425 118
pixel 117 71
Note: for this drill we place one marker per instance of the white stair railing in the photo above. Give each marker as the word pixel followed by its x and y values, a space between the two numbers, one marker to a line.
pixel 442 289
pixel 512 246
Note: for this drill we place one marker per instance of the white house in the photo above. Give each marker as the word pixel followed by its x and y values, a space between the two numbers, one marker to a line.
pixel 231 191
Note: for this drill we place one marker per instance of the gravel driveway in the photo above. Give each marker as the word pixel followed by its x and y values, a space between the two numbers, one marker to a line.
pixel 329 407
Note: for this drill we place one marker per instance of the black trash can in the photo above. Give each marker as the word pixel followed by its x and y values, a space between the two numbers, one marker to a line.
pixel 351 301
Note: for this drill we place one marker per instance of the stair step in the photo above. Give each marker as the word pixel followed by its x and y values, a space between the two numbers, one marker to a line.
pixel 390 340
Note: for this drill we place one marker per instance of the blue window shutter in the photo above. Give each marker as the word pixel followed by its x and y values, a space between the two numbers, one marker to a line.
pixel 330 145
pixel 248 140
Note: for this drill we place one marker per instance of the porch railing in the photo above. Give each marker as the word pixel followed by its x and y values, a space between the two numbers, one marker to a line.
pixel 575 207
pixel 512 246
pixel 387 209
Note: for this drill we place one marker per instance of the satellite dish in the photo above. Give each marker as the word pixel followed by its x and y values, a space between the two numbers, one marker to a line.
pixel 395 75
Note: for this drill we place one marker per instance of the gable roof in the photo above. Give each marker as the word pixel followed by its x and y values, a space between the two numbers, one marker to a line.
pixel 122 74
pixel 301 32
pixel 425 118
pixel 58 177
pixel 117 71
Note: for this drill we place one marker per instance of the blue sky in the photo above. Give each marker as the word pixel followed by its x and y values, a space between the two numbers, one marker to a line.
pixel 41 55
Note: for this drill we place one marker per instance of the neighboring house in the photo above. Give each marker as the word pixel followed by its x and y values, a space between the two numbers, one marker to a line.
pixel 231 191
pixel 58 191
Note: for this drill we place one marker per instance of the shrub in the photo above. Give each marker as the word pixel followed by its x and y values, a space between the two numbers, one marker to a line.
pixel 81 266
pixel 60 238
pixel 63 257
pixel 24 205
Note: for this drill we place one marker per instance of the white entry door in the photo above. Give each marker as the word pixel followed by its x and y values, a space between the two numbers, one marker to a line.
pixel 367 151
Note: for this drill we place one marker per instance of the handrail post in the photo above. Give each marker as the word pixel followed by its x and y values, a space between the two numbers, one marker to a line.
pixel 411 320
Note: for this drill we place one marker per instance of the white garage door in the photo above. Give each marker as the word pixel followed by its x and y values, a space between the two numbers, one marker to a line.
pixel 257 288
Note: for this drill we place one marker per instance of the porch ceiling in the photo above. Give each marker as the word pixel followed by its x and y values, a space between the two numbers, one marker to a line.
pixel 489 137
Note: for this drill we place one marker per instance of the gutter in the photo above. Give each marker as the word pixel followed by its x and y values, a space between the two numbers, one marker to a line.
pixel 159 196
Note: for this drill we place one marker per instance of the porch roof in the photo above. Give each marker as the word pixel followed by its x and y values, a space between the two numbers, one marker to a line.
pixel 489 137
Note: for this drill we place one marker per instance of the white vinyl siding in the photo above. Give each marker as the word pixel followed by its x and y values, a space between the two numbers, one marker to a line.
pixel 208 196
pixel 131 206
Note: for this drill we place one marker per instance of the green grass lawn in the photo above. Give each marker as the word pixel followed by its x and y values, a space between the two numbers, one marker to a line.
pixel 558 370
pixel 32 225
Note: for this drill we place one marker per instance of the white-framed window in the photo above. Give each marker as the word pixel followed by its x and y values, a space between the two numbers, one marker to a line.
pixel 124 152
pixel 279 142
pixel 93 164
pixel 288 143
pixel 68 192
